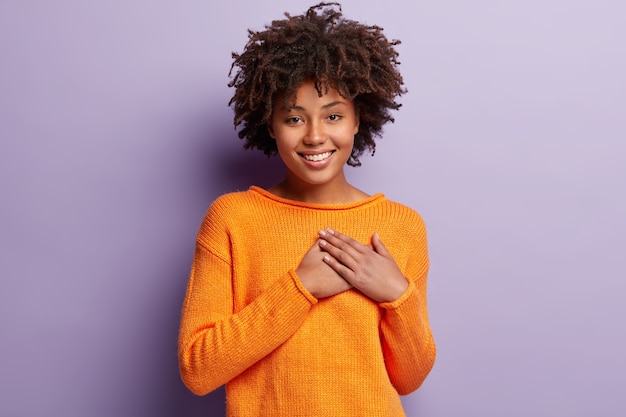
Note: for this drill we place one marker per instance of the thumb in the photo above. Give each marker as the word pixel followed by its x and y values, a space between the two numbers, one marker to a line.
pixel 378 245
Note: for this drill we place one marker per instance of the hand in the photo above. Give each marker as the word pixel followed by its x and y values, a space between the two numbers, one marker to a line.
pixel 370 269
pixel 319 278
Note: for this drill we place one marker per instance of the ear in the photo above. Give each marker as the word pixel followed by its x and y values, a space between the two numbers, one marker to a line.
pixel 270 129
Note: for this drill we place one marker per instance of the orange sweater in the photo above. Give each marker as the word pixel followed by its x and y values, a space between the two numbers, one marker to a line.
pixel 248 322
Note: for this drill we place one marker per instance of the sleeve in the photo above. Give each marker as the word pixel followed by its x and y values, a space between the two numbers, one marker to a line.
pixel 215 344
pixel 407 340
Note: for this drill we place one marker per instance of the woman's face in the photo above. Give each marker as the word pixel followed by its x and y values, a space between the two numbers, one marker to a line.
pixel 314 136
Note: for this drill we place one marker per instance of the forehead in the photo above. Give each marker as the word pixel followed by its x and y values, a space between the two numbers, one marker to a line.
pixel 308 94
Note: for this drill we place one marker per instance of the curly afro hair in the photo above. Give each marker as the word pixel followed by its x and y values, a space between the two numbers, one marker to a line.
pixel 355 59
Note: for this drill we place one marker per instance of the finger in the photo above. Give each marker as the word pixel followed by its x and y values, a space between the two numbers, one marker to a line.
pixel 341 255
pixel 341 241
pixel 379 246
pixel 343 271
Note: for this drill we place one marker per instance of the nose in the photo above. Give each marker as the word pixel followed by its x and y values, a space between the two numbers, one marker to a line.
pixel 315 134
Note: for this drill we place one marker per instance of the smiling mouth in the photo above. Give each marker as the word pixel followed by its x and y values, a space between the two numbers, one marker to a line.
pixel 317 157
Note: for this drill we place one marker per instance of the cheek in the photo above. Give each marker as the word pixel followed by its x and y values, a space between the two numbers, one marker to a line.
pixel 283 144
pixel 350 133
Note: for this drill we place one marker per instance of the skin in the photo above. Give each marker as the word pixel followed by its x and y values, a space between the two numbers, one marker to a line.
pixel 315 125
pixel 323 128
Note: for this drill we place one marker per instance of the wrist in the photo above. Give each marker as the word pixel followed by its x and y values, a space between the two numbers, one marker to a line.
pixel 390 305
pixel 399 288
pixel 304 276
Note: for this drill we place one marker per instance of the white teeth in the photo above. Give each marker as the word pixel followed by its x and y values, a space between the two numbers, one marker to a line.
pixel 317 157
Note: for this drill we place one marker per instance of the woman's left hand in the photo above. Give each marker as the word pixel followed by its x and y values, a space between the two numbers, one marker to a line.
pixel 370 269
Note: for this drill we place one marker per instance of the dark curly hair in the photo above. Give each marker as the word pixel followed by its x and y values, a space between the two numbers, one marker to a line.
pixel 355 59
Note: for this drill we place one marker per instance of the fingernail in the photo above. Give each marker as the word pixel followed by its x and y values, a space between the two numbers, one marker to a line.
pixel 322 243
pixel 322 233
pixel 329 230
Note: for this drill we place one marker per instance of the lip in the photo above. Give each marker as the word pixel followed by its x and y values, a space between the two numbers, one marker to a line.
pixel 316 164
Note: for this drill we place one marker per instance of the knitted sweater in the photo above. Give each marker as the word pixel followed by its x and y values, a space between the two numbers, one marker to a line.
pixel 248 322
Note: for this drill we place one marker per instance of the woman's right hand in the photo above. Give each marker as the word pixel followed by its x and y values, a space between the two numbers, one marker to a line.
pixel 318 277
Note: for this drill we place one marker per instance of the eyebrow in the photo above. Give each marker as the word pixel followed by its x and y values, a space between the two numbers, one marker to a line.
pixel 324 107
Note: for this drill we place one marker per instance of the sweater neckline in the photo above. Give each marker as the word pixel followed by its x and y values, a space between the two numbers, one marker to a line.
pixel 318 206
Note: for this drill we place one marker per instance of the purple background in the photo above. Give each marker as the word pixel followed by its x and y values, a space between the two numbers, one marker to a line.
pixel 115 138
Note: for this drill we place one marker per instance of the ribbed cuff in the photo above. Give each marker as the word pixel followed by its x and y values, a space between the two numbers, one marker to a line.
pixel 303 290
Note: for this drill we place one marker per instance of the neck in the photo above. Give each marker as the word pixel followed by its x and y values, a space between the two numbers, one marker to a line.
pixel 338 192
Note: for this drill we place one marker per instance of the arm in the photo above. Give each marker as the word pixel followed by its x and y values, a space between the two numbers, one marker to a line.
pixel 216 345
pixel 406 338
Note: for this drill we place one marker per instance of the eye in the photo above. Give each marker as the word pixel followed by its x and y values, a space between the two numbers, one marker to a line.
pixel 294 120
pixel 334 117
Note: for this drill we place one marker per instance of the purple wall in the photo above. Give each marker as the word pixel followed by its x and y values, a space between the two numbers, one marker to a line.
pixel 115 137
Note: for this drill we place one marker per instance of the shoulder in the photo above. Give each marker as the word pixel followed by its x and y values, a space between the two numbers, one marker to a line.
pixel 402 224
pixel 231 201
pixel 223 211
pixel 406 235
pixel 402 213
